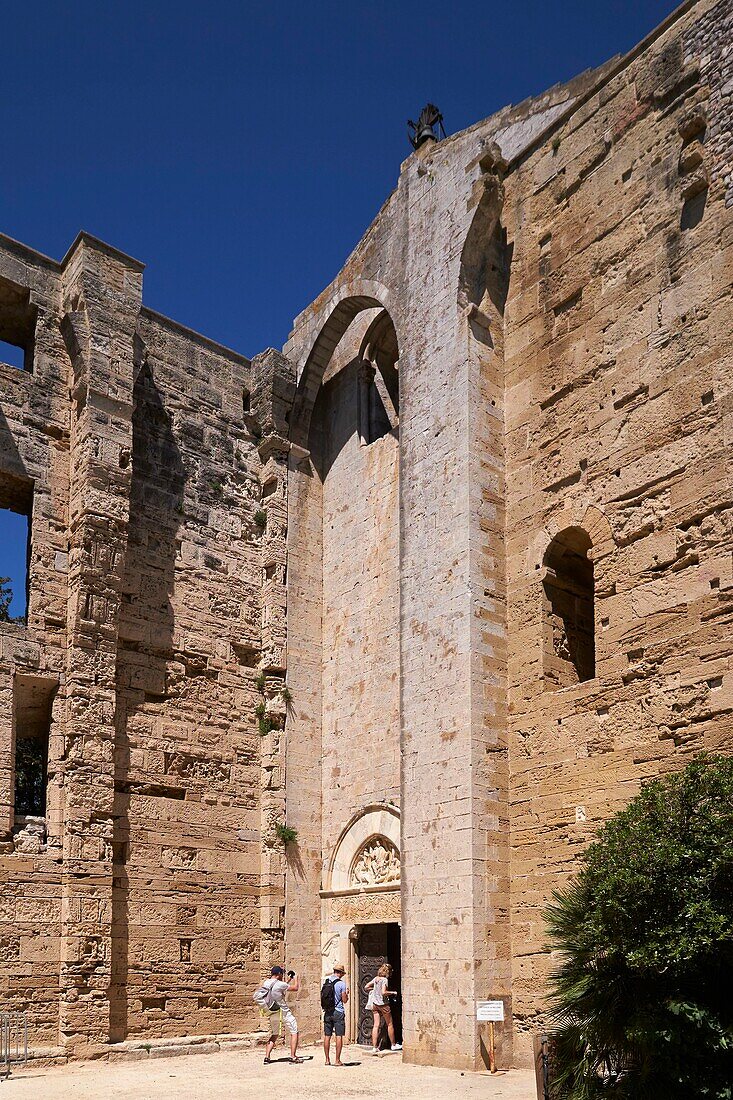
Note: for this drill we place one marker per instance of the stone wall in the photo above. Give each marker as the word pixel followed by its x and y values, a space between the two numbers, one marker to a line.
pixel 187 826
pixel 34 469
pixel 618 382
pixel 360 611
pixel 151 898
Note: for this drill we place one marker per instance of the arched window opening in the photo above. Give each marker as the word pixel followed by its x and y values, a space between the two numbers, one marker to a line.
pixel 569 616
pixel 378 381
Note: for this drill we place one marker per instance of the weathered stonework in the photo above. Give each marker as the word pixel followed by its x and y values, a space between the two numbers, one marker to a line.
pixel 478 513
pixel 155 895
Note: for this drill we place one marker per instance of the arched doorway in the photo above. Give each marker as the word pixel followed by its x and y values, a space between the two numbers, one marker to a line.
pixel 361 909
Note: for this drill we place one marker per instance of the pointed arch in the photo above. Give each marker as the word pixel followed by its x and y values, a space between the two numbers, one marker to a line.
pixel 326 330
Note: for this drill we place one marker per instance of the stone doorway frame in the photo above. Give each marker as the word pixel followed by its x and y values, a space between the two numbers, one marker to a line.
pixel 354 963
pixel 345 906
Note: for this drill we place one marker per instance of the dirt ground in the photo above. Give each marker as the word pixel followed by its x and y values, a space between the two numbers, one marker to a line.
pixel 242 1074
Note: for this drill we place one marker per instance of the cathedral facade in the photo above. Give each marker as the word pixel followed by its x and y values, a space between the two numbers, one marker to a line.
pixel 345 651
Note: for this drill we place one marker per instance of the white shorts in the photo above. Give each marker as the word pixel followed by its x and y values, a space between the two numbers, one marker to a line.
pixel 288 1019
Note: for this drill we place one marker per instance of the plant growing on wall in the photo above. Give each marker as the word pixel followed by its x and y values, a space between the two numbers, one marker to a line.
pixel 264 720
pixel 260 518
pixel 645 935
pixel 285 833
pixel 6 598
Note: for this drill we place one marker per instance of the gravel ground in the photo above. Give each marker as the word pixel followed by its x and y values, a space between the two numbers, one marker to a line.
pixel 236 1074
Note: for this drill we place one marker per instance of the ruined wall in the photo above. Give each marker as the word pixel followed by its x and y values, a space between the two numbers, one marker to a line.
pixel 34 470
pixel 187 751
pixel 559 281
pixel 618 413
pixel 151 896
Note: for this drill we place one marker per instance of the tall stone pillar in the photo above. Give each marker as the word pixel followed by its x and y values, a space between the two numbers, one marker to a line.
pixel 273 387
pixel 452 634
pixel 102 292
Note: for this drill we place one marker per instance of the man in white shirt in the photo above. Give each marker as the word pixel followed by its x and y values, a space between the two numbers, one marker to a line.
pixel 279 990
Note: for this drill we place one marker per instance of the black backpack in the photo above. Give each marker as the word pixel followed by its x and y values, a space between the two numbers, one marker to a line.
pixel 328 996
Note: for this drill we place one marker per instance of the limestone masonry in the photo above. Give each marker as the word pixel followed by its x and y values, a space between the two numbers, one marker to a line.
pixel 437 586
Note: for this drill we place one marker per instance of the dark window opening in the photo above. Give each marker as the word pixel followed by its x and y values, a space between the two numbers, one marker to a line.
pixel 16 503
pixel 569 641
pixel 246 403
pixel 378 374
pixel 17 326
pixel 374 421
pixel 693 210
pixel 33 704
pixel 31 768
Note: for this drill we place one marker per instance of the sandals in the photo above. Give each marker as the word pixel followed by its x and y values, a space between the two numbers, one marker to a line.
pixel 267 1061
pixel 296 1061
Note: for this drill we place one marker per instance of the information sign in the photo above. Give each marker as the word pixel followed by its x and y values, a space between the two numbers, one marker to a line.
pixel 492 1011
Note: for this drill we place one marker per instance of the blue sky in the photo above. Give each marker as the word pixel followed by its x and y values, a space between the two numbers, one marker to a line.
pixel 241 149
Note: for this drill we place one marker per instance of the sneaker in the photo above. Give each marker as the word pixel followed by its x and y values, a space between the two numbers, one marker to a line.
pixel 375 1051
pixel 396 1046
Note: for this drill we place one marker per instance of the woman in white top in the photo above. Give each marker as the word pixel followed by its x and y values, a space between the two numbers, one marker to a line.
pixel 377 989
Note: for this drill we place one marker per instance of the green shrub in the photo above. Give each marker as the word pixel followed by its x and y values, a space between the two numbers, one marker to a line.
pixel 645 931
pixel 285 833
pixel 260 518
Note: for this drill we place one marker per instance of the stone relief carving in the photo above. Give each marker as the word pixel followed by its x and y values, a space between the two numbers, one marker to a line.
pixel 378 864
pixel 367 908
pixel 329 944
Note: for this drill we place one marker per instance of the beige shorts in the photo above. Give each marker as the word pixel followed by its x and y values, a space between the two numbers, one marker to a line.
pixel 288 1019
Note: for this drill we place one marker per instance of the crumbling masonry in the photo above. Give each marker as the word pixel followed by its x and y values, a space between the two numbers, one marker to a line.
pixel 479 513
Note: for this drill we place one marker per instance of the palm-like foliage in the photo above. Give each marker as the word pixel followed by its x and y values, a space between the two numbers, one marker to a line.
pixel 642 993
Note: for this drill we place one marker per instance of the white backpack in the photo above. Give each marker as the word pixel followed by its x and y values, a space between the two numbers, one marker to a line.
pixel 263 997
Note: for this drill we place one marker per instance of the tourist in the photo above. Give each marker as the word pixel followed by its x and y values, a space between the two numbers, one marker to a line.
pixel 380 1006
pixel 334 997
pixel 277 1005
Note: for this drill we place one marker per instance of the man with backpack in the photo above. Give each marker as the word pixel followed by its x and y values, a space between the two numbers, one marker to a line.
pixel 334 997
pixel 271 998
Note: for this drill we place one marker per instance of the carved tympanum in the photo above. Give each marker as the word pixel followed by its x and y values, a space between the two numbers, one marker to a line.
pixel 377 864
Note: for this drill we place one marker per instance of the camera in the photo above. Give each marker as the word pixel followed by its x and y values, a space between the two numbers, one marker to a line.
pixel 291 975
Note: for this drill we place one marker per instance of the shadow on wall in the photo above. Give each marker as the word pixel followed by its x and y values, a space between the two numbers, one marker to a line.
pixel 329 432
pixel 295 862
pixel 156 507
pixel 10 460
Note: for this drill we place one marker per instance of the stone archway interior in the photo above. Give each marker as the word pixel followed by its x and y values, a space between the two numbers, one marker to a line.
pixel 367 853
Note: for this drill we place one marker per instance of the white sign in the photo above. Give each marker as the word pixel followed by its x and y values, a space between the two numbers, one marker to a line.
pixel 490 1010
